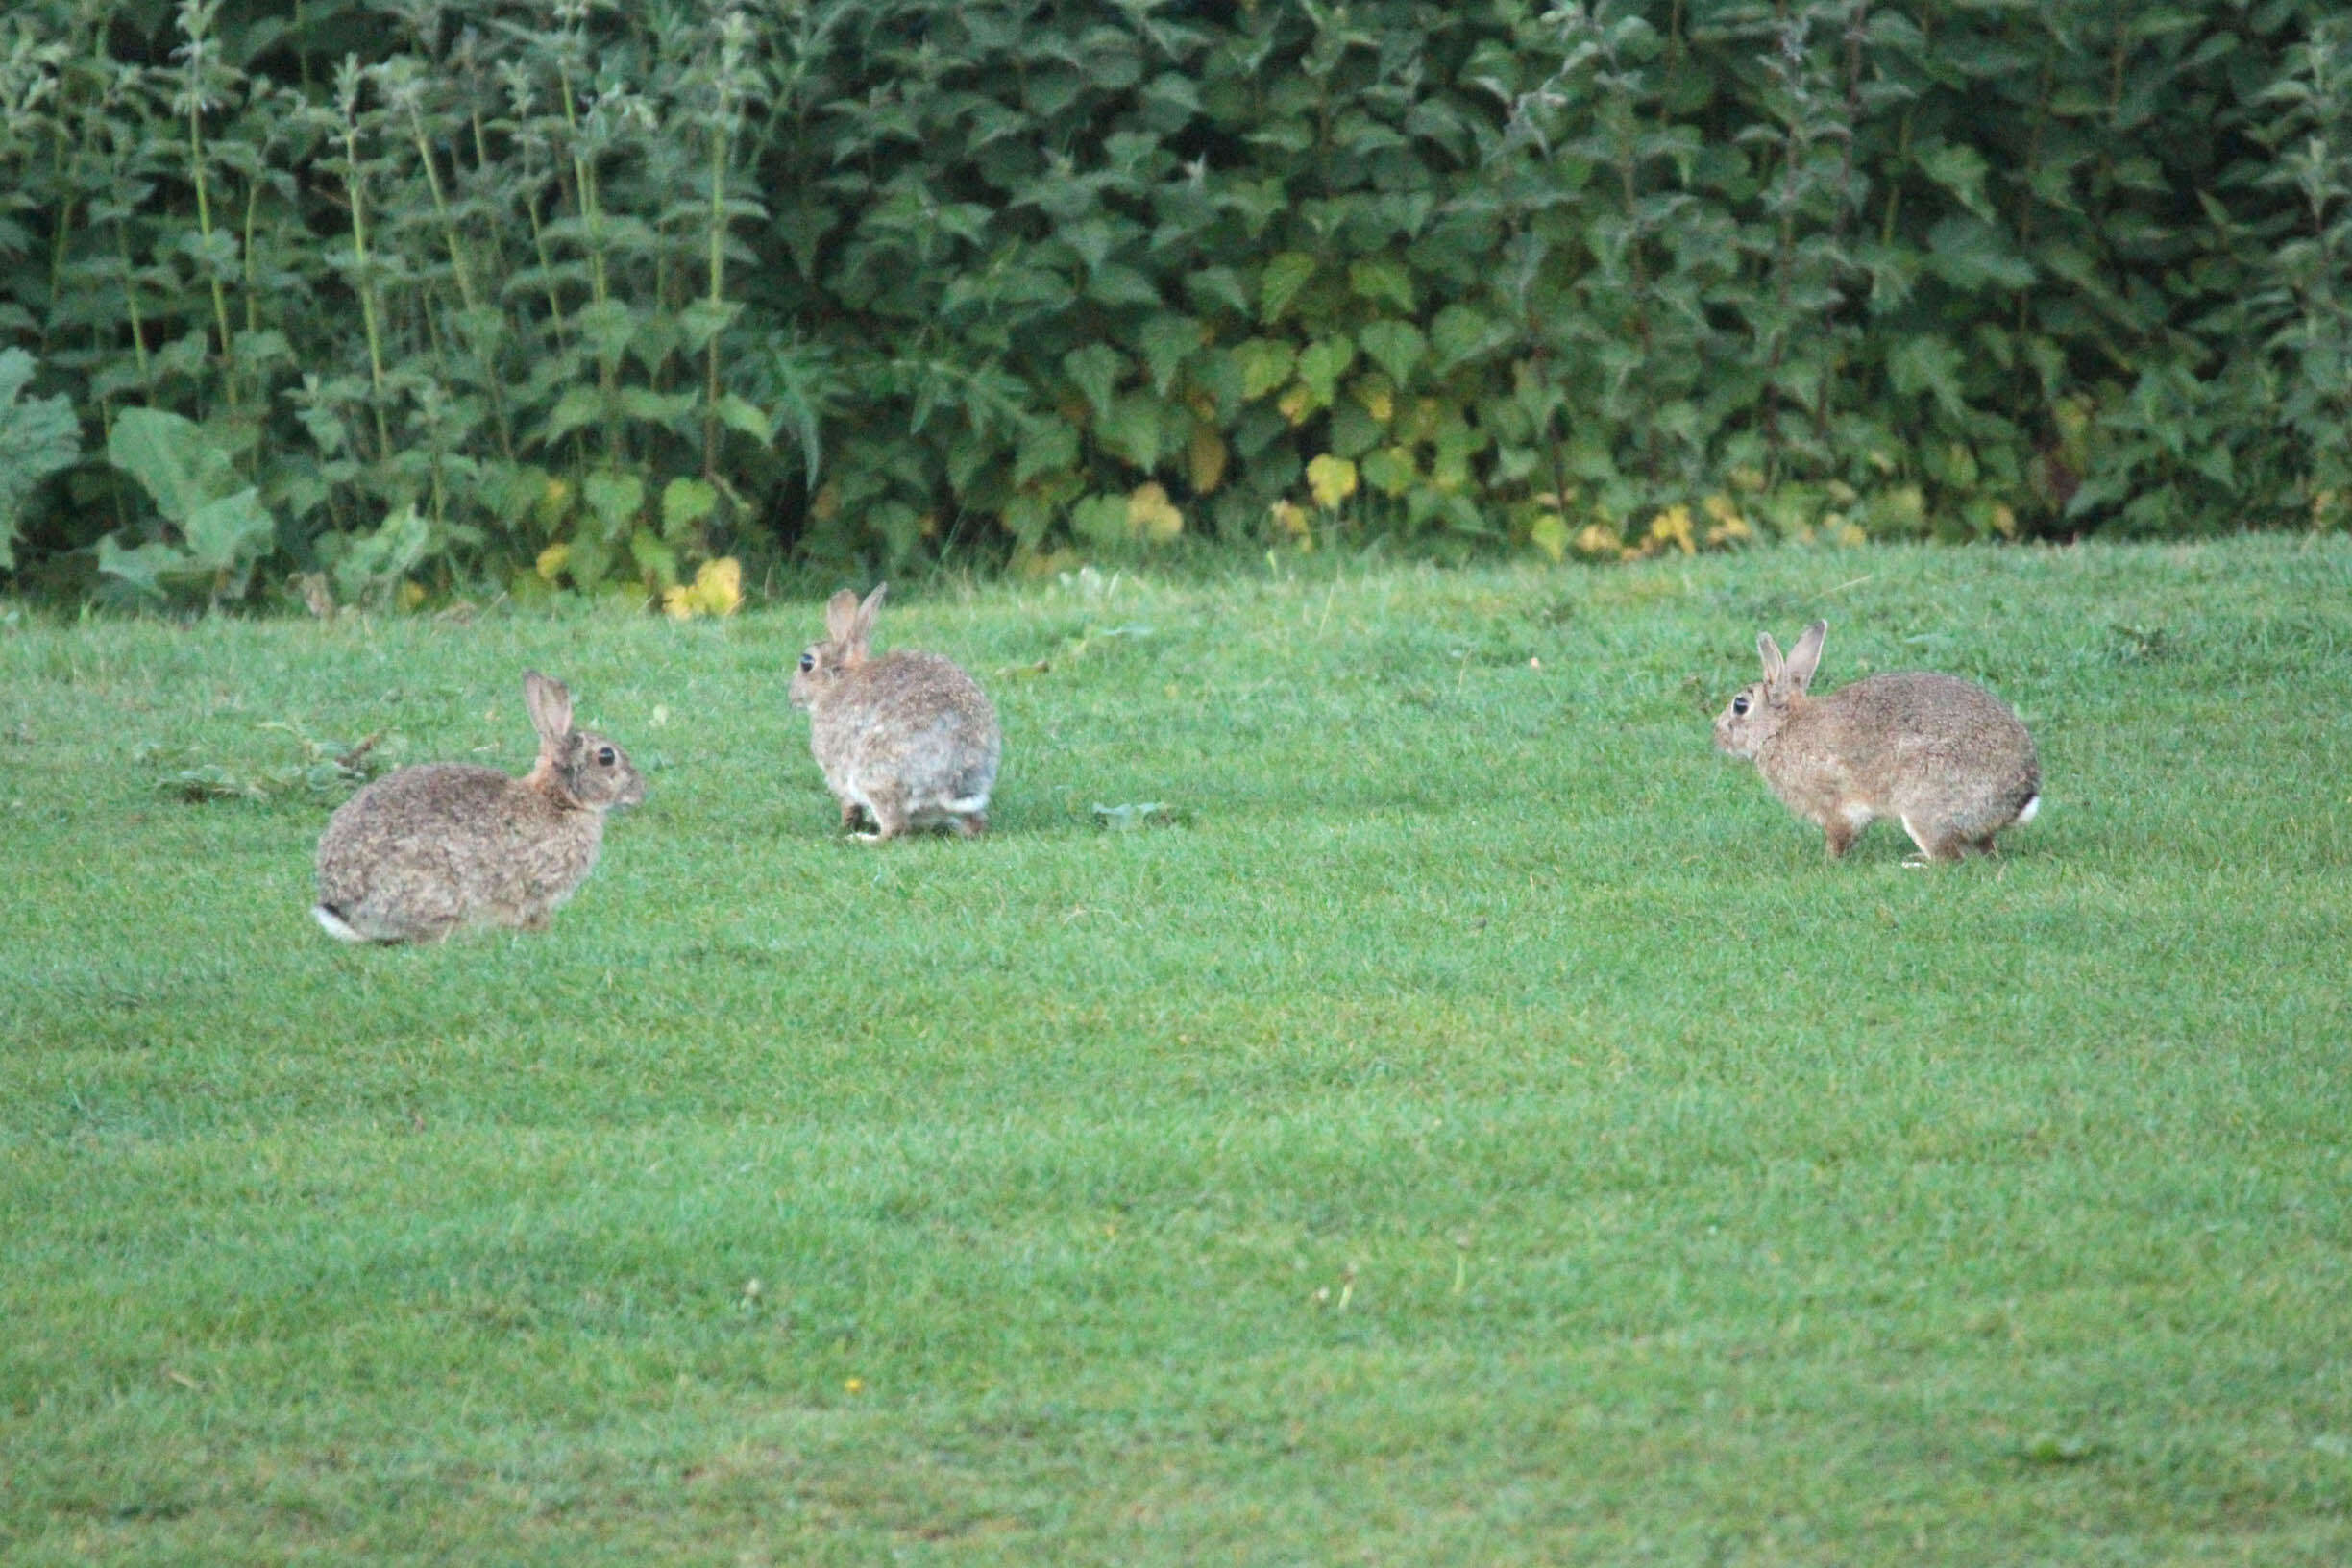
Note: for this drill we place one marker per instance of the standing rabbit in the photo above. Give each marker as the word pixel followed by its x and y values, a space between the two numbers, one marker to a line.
pixel 424 850
pixel 906 740
pixel 1941 754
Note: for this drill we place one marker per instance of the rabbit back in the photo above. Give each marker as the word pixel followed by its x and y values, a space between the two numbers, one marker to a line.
pixel 1942 753
pixel 428 848
pixel 912 727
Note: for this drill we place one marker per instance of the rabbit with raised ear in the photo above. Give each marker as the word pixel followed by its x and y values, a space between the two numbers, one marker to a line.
pixel 1942 755
pixel 426 849
pixel 905 741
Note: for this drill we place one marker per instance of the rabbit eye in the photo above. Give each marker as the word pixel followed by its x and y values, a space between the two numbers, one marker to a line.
pixel 808 661
pixel 606 756
pixel 1739 703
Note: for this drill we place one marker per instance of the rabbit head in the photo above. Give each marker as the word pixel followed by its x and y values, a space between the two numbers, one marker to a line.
pixel 1755 714
pixel 589 768
pixel 849 627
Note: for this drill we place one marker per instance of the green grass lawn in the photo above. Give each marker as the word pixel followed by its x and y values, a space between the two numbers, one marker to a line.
pixel 1483 1128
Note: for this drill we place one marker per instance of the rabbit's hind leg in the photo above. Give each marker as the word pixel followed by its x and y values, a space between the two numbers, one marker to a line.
pixel 888 805
pixel 1941 845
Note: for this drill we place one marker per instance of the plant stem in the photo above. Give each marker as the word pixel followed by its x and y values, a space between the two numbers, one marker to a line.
pixel 368 311
pixel 204 225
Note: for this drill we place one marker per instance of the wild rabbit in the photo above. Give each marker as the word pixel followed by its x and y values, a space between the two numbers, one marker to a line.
pixel 424 850
pixel 1941 754
pixel 905 741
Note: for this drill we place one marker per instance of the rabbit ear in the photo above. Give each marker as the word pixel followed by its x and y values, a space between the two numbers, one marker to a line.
pixel 868 613
pixel 550 707
pixel 1805 657
pixel 841 614
pixel 1771 650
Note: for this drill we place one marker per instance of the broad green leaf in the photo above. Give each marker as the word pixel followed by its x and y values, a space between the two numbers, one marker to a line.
pixel 142 568
pixel 1285 275
pixel 606 329
pixel 173 459
pixel 228 535
pixel 1212 286
pixel 1460 334
pixel 667 409
pixel 1549 533
pixel 655 558
pixel 1381 278
pixel 1321 364
pixel 1923 362
pixel 1101 520
pixel 1395 346
pixel 1969 253
pixel 578 406
pixel 1135 430
pixel 38 437
pixel 701 321
pixel 1096 370
pixel 1391 470
pixel 616 500
pixel 742 415
pixel 1265 364
pixel 374 559
pixel 1116 285
pixel 1047 444
pixel 1167 342
pixel 511 490
pixel 1960 169
pixel 686 503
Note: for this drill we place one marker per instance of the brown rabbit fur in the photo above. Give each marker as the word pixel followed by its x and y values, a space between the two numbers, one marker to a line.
pixel 1941 754
pixel 424 850
pixel 907 740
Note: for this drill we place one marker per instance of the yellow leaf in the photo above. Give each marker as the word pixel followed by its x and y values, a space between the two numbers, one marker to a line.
pixel 1594 539
pixel 1550 534
pixel 412 595
pixel 718 586
pixel 1720 506
pixel 1850 534
pixel 1207 457
pixel 2004 518
pixel 1903 505
pixel 1151 515
pixel 1332 479
pixel 1672 527
pixel 554 502
pixel 717 590
pixel 1378 400
pixel 1289 517
pixel 1751 480
pixel 552 559
pixel 1296 403
pixel 1041 564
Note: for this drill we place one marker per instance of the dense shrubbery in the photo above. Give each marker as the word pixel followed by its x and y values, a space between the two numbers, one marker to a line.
pixel 523 296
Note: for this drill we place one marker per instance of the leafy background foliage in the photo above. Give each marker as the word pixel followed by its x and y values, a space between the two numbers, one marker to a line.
pixel 426 298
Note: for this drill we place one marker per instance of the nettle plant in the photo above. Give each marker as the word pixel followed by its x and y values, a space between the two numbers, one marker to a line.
pixel 569 296
pixel 458 306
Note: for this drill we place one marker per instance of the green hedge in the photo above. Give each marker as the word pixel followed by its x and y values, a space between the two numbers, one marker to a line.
pixel 522 297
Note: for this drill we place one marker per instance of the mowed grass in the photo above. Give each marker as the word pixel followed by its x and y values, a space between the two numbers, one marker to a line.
pixel 1483 1129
